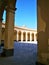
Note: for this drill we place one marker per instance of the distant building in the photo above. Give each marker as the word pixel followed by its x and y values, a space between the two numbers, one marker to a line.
pixel 22 34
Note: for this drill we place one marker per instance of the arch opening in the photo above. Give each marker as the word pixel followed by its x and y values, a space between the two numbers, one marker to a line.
pixel 24 36
pixel 32 36
pixel 19 36
pixel 28 37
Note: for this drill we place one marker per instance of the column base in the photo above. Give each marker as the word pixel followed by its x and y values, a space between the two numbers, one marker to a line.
pixel 38 63
pixel 7 52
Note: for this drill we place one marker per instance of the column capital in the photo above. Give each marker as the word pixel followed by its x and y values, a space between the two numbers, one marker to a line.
pixel 11 4
pixel 35 32
pixel 10 9
pixel 17 31
pixel 26 32
pixel 22 31
pixel 31 32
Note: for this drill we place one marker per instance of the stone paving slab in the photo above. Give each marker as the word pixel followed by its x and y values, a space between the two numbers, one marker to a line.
pixel 24 54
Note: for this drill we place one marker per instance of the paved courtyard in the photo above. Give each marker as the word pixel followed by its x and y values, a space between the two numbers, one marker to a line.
pixel 24 54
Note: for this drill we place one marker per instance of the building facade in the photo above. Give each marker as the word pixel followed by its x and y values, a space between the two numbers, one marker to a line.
pixel 22 34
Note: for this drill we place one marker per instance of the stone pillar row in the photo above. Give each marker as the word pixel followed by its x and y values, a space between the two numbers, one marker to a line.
pixel 26 36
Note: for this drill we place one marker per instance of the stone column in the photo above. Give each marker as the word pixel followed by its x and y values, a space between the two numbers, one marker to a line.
pixel 30 36
pixel 9 29
pixel 26 36
pixel 34 36
pixel 22 36
pixel 17 35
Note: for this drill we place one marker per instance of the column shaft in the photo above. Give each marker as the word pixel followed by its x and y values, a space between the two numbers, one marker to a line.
pixel 17 35
pixel 26 36
pixel 30 37
pixel 34 36
pixel 21 36
pixel 9 32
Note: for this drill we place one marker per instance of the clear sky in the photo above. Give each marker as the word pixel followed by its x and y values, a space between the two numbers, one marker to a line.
pixel 26 13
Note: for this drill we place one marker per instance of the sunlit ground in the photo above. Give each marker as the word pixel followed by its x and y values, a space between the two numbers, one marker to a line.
pixel 24 54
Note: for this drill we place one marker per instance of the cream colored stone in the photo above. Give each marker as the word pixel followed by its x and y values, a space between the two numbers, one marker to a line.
pixel 9 30
pixel 22 30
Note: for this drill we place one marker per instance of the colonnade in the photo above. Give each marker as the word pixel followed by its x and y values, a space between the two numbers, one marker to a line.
pixel 26 36
pixel 43 29
pixel 22 35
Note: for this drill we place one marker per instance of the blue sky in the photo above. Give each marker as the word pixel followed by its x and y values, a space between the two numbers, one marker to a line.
pixel 26 13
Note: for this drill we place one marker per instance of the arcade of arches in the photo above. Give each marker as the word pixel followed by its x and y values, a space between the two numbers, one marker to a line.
pixel 42 29
pixel 25 35
pixel 22 34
